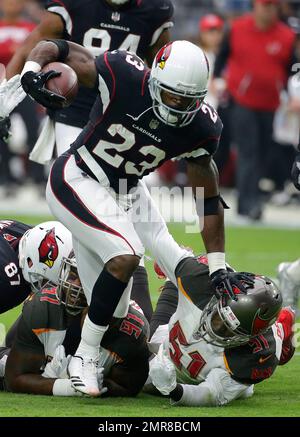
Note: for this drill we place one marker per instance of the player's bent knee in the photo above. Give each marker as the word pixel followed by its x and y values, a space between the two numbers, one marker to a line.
pixel 123 266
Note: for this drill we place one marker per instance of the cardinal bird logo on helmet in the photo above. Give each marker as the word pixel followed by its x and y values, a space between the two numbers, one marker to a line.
pixel 48 249
pixel 163 55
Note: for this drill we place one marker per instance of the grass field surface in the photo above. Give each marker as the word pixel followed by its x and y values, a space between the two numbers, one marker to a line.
pixel 248 249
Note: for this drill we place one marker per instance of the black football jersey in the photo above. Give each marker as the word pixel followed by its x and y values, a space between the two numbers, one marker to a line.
pixel 254 361
pixel 124 136
pixel 99 27
pixel 13 288
pixel 193 276
pixel 44 325
pixel 250 363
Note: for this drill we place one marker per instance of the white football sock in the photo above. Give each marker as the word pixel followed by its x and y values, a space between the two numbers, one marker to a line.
pixel 294 271
pixel 91 337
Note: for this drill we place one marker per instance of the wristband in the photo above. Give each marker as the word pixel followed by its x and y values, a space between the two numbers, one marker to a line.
pixel 216 261
pixel 31 66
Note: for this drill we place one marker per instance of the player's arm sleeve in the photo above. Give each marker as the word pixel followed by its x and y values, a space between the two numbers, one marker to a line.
pixel 26 339
pixel 218 389
pixel 63 9
pixel 109 67
pixel 194 282
pixel 13 289
pixel 164 21
pixel 210 144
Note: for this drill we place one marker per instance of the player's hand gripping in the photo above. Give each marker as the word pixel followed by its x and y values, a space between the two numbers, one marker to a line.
pixel 231 283
pixel 34 85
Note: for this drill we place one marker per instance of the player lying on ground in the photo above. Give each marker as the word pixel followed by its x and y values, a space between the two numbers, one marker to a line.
pixel 49 329
pixel 140 119
pixel 214 351
pixel 29 256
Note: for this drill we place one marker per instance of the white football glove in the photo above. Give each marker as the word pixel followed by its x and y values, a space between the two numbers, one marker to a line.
pixel 11 94
pixel 162 373
pixel 100 380
pixel 57 367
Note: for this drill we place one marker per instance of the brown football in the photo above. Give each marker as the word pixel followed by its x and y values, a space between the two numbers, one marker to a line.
pixel 66 84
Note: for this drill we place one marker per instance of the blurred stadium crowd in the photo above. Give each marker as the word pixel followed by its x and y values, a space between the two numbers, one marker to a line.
pixel 261 129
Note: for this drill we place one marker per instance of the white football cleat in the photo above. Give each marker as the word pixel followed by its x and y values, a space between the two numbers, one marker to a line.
pixel 289 289
pixel 83 374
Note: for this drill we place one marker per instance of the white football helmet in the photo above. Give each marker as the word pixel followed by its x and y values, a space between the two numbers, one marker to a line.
pixel 41 251
pixel 179 68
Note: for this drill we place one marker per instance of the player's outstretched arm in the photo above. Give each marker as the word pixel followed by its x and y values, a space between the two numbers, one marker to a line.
pixel 164 38
pixel 202 172
pixel 51 26
pixel 218 389
pixel 22 373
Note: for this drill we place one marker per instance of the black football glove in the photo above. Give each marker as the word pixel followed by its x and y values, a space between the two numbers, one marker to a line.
pixel 296 172
pixel 34 85
pixel 4 128
pixel 231 283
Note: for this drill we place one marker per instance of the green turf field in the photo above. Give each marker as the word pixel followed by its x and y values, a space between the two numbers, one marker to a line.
pixel 248 249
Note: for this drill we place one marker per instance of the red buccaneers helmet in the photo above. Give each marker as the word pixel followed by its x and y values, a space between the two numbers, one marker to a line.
pixel 228 323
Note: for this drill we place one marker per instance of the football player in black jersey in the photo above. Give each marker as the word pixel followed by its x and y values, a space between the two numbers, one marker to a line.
pixel 29 259
pixel 139 26
pixel 49 329
pixel 140 119
pixel 211 352
pixel 29 256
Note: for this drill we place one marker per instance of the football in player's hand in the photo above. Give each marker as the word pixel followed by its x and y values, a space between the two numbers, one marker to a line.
pixel 66 84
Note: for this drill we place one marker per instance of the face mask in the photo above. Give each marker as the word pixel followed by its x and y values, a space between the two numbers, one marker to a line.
pixel 167 115
pixel 119 2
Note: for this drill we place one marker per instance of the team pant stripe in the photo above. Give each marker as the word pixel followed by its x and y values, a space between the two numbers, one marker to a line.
pixel 70 200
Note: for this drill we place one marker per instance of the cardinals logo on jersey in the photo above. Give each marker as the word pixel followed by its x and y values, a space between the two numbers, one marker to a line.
pixel 163 55
pixel 48 249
